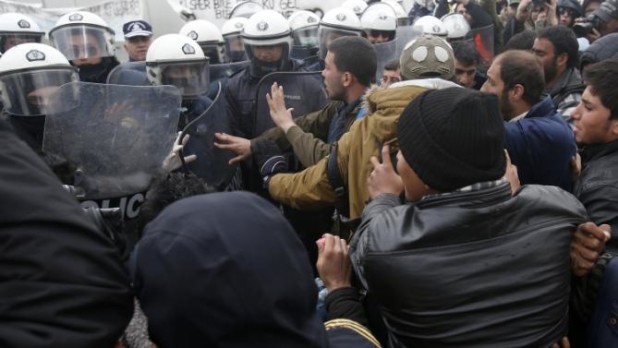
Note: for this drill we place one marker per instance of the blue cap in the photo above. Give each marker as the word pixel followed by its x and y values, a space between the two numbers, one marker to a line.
pixel 136 28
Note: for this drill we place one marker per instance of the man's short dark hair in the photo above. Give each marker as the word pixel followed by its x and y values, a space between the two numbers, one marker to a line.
pixel 392 65
pixel 520 41
pixel 564 41
pixel 355 55
pixel 465 53
pixel 601 78
pixel 523 68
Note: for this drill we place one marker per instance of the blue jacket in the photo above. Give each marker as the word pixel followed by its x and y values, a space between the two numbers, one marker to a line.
pixel 541 145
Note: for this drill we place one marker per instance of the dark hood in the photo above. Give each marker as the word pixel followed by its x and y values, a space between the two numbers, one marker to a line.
pixel 226 270
pixel 97 73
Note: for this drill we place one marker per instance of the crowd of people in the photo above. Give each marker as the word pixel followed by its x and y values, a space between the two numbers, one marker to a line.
pixel 445 176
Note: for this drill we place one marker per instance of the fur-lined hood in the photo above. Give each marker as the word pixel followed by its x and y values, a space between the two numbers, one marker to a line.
pixel 370 102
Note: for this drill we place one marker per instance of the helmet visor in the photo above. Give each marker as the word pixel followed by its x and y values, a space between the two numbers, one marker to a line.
pixel 8 40
pixel 29 93
pixel 235 48
pixel 191 78
pixel 82 42
pixel 306 37
pixel 327 35
pixel 214 51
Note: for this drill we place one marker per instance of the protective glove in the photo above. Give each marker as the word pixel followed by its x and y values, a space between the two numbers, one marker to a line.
pixel 172 161
pixel 269 159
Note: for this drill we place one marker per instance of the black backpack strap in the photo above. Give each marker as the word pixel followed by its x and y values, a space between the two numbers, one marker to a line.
pixel 342 207
pixel 336 182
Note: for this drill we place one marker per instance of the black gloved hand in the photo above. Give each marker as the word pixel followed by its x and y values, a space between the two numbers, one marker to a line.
pixel 269 159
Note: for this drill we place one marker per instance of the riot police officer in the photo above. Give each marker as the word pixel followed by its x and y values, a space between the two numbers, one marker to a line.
pixel 29 74
pixel 87 42
pixel 16 28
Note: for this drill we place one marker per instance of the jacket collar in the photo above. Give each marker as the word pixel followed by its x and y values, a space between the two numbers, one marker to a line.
pixel 484 195
pixel 592 152
pixel 570 77
pixel 542 109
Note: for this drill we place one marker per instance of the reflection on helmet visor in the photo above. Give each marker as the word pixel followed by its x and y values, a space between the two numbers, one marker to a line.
pixel 191 78
pixel 82 42
pixel 307 37
pixel 28 93
pixel 387 34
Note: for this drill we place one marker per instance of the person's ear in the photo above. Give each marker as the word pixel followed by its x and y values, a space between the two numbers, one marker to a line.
pixel 562 59
pixel 347 79
pixel 516 93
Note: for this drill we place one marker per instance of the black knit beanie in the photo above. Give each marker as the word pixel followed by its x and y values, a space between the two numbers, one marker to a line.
pixel 453 137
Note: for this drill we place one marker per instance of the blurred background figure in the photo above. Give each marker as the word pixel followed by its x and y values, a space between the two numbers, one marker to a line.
pixel 16 28
pixel 391 73
pixel 304 25
pixel 234 47
pixel 358 6
pixel 29 74
pixel 379 23
pixel 336 23
pixel 245 9
pixel 138 37
pixel 567 11
pixel 87 42
pixel 457 27
pixel 208 36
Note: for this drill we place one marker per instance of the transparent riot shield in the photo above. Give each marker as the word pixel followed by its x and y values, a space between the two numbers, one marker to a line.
pixel 484 42
pixel 385 52
pixel 223 71
pixel 212 162
pixel 304 92
pixel 404 34
pixel 129 74
pixel 116 138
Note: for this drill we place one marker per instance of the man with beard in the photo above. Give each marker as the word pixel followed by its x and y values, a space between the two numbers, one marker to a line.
pixel 539 141
pixel 557 48
pixel 350 67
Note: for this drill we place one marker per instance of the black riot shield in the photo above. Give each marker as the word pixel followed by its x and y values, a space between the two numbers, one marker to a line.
pixel 212 162
pixel 129 74
pixel 303 91
pixel 385 52
pixel 116 145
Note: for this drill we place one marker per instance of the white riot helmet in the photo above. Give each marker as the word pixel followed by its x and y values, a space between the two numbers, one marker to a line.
pixel 174 59
pixel 456 25
pixel 400 13
pixel 358 6
pixel 208 37
pixel 429 25
pixel 82 34
pixel 336 23
pixel 379 22
pixel 29 74
pixel 304 25
pixel 16 28
pixel 234 47
pixel 245 9
pixel 267 28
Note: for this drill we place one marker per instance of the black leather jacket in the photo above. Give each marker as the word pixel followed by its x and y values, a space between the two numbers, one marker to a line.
pixel 470 269
pixel 597 187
